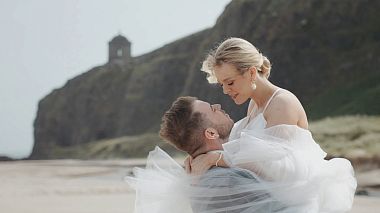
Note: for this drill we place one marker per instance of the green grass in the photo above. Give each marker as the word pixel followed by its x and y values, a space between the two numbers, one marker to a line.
pixel 117 148
pixel 346 136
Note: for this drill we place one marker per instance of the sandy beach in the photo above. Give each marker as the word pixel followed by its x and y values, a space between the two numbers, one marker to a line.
pixel 73 186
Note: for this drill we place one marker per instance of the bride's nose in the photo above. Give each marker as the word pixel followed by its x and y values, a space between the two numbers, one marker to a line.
pixel 225 89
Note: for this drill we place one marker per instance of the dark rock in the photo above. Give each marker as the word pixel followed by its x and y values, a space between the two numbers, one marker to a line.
pixel 3 158
pixel 326 52
pixel 362 192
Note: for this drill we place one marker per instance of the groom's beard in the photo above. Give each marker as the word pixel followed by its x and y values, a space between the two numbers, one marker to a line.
pixel 224 131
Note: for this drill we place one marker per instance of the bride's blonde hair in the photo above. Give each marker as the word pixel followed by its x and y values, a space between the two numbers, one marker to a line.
pixel 238 52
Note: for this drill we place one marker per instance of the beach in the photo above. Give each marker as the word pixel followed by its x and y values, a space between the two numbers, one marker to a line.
pixel 94 186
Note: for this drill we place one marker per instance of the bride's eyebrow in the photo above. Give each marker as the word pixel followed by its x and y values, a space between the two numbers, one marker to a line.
pixel 227 79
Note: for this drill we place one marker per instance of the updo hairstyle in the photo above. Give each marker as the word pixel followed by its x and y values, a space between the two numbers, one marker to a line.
pixel 238 52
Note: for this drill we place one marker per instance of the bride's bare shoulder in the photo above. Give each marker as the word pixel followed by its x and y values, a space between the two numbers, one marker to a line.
pixel 285 108
pixel 288 97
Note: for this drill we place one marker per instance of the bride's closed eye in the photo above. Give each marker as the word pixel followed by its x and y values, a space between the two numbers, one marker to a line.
pixel 229 84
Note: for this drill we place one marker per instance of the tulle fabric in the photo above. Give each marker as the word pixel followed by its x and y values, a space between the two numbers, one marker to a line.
pixel 278 169
pixel 288 154
pixel 163 186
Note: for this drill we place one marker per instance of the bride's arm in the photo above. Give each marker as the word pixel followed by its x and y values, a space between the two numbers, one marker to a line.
pixel 280 167
pixel 204 162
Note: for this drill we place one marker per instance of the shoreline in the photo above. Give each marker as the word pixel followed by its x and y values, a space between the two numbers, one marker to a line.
pixel 95 186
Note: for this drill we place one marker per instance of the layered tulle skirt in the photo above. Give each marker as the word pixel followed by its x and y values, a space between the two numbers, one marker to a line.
pixel 278 169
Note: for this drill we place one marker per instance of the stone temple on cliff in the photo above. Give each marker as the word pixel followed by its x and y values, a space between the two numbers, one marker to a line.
pixel 119 50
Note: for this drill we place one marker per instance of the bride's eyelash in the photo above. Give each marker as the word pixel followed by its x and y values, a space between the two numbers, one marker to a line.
pixel 230 84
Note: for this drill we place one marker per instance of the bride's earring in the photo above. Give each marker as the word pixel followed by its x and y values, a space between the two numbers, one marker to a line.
pixel 253 85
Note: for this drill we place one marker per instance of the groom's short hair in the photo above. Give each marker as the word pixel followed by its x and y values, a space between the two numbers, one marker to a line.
pixel 182 127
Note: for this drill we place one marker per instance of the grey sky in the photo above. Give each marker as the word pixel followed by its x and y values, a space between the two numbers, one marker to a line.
pixel 46 42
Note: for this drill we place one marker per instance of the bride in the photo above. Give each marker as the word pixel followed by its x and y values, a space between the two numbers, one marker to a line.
pixel 272 141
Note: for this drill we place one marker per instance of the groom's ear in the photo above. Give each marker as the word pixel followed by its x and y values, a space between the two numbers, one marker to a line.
pixel 211 133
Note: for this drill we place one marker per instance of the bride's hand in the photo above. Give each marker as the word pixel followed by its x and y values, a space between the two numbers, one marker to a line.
pixel 202 163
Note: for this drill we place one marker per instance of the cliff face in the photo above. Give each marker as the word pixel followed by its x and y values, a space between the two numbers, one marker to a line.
pixel 326 52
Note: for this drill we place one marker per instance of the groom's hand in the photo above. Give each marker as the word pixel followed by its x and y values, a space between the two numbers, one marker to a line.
pixel 187 164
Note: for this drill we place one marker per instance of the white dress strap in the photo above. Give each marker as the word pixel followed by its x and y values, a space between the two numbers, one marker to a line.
pixel 270 99
pixel 254 108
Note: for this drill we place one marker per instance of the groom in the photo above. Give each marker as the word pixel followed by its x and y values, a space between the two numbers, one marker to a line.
pixel 196 127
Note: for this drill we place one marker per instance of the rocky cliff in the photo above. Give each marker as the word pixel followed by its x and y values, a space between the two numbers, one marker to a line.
pixel 326 52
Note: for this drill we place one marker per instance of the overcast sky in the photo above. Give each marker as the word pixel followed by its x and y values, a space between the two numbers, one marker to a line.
pixel 43 43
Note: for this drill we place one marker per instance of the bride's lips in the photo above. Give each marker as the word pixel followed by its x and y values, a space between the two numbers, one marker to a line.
pixel 234 96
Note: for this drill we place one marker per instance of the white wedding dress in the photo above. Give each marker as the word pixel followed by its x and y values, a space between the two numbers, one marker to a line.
pixel 288 154
pixel 288 173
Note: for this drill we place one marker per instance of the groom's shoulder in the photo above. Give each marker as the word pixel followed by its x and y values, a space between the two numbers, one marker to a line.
pixel 228 176
pixel 230 170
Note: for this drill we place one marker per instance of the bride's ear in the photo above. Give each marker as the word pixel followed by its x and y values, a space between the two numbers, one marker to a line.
pixel 252 72
pixel 211 133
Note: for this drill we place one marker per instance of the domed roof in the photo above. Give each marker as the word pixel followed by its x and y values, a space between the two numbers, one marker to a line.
pixel 119 39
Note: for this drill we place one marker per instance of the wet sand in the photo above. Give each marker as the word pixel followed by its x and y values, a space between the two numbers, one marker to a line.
pixel 89 187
